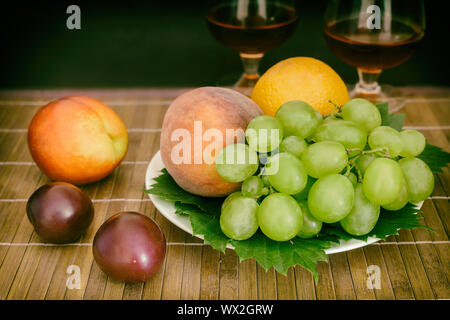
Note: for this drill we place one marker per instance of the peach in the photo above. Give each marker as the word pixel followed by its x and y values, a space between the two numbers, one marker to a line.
pixel 77 139
pixel 212 108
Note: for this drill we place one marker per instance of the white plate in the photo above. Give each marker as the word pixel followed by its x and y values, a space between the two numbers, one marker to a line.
pixel 167 209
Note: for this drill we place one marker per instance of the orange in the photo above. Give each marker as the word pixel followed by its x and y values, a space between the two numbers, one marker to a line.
pixel 300 78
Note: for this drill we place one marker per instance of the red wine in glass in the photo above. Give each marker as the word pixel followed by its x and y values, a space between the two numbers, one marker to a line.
pixel 372 36
pixel 372 51
pixel 254 34
pixel 251 27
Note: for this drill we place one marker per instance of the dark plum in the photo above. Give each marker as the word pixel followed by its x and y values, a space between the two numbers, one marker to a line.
pixel 129 247
pixel 60 212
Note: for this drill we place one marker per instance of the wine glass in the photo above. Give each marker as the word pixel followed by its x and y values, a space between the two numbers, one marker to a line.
pixel 251 27
pixel 373 35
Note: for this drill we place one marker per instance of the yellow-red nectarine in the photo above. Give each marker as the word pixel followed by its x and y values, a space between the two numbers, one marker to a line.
pixel 77 139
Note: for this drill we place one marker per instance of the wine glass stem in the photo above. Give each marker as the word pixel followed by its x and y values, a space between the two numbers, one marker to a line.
pixel 250 62
pixel 368 82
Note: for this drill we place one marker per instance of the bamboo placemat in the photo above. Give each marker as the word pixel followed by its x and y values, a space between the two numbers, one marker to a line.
pixel 413 265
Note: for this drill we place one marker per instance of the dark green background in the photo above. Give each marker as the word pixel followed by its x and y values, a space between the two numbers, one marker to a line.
pixel 166 43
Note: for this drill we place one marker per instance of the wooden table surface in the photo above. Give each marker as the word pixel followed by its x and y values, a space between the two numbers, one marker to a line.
pixel 413 265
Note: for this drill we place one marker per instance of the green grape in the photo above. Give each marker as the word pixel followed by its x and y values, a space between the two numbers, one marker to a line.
pixel 286 173
pixel 236 162
pixel 253 187
pixel 382 181
pixel 311 226
pixel 348 133
pixel 401 200
pixel 323 158
pixel 294 145
pixel 386 137
pixel 419 178
pixel 363 162
pixel 363 112
pixel 363 217
pixel 353 179
pixel 303 195
pixel 413 143
pixel 297 118
pixel 280 217
pixel 331 198
pixel 264 133
pixel 319 117
pixel 230 197
pixel 238 219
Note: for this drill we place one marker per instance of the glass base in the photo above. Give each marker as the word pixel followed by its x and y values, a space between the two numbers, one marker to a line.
pixel 390 94
pixel 245 84
pixel 238 82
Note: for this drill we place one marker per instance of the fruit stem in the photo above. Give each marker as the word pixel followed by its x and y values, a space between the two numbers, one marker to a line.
pixel 347 172
pixel 350 150
pixel 359 174
pixel 336 107
pixel 350 165
pixel 351 162
pixel 384 152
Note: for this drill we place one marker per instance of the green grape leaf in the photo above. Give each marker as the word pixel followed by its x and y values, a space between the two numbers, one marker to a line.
pixel 268 253
pixel 435 157
pixel 394 120
pixel 283 255
pixel 391 221
pixel 388 224
pixel 336 231
pixel 204 224
pixel 179 211
pixel 166 188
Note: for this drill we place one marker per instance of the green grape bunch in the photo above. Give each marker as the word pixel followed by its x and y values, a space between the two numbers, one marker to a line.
pixel 300 171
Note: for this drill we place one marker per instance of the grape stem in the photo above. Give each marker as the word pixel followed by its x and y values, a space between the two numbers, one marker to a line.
pixel 336 108
pixel 358 172
pixel 336 113
pixel 384 152
pixel 350 150
pixel 350 165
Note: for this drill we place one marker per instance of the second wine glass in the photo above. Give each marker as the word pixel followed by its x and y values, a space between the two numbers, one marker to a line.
pixel 251 27
pixel 373 35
